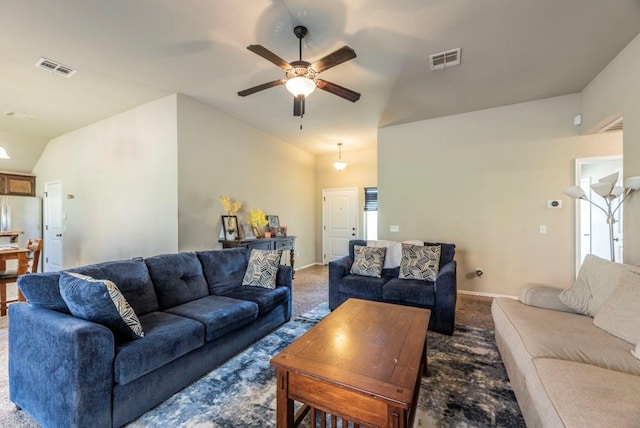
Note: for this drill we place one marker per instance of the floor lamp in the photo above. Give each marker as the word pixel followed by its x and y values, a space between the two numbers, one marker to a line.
pixel 606 187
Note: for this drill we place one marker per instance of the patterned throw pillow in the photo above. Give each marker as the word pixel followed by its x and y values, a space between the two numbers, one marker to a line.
pixel 368 260
pixel 100 301
pixel 420 262
pixel 262 269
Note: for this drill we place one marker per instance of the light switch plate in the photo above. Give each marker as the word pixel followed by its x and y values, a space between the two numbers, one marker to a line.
pixel 394 228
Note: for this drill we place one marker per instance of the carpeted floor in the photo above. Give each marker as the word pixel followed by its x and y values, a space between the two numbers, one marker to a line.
pixel 309 290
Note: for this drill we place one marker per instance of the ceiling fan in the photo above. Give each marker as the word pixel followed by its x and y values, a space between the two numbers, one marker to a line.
pixel 301 76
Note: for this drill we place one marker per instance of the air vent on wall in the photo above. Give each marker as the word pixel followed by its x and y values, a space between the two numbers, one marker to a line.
pixel 442 60
pixel 614 125
pixel 55 67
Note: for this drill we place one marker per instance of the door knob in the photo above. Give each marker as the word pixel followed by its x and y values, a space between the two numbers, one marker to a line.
pixel 59 235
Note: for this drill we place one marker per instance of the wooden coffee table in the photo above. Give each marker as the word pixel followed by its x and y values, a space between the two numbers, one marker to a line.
pixel 361 364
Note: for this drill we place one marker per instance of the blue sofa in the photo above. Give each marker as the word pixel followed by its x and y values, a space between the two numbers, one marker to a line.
pixel 68 372
pixel 439 296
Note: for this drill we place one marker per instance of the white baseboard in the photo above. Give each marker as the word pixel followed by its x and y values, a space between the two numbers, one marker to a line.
pixel 480 293
pixel 309 265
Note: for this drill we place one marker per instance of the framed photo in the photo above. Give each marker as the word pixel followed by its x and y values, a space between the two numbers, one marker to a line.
pixel 247 231
pixel 273 221
pixel 230 226
pixel 277 231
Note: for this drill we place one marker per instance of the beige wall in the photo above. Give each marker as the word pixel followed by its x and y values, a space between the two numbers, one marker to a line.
pixel 481 180
pixel 219 155
pixel 614 92
pixel 24 151
pixel 123 174
pixel 361 172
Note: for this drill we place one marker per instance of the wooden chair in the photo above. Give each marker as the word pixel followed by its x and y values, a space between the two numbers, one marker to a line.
pixel 10 276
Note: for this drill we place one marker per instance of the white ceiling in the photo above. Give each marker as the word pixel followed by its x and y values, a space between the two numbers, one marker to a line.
pixel 129 52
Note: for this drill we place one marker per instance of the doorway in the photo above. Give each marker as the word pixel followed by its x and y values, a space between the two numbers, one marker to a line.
pixel 592 231
pixel 339 221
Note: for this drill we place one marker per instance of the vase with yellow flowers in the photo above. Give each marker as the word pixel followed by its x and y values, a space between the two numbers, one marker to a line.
pixel 258 221
pixel 230 221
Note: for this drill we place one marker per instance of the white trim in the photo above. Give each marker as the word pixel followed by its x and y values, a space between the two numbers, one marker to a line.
pixel 309 265
pixel 480 293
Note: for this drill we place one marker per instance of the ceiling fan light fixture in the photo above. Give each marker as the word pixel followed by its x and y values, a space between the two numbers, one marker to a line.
pixel 300 86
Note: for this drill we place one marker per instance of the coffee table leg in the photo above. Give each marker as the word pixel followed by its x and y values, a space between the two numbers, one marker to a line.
pixel 284 410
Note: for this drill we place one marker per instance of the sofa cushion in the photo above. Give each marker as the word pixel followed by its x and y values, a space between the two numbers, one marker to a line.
pixel 42 290
pixel 262 268
pixel 620 314
pixel 596 280
pixel 100 301
pixel 546 333
pixel 167 337
pixel 224 269
pixel 219 314
pixel 588 396
pixel 177 278
pixel 412 291
pixel 364 287
pixel 368 261
pixel 265 298
pixel 132 279
pixel 419 262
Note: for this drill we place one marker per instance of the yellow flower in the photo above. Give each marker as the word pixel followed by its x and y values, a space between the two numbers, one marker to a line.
pixel 257 218
pixel 229 205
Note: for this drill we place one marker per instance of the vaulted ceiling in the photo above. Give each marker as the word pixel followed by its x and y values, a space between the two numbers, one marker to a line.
pixel 128 52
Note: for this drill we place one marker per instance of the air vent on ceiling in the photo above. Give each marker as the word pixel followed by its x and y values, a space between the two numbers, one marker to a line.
pixel 55 67
pixel 614 125
pixel 442 60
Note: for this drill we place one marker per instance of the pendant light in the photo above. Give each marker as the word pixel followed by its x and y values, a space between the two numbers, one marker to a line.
pixel 339 165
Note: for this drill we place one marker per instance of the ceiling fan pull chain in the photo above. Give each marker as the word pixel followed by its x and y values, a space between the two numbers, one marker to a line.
pixel 301 116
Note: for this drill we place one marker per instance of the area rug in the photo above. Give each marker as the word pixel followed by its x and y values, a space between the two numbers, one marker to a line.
pixel 467 385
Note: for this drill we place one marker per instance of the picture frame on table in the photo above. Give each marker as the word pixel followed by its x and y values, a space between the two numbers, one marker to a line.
pixel 277 232
pixel 230 227
pixel 273 221
pixel 247 231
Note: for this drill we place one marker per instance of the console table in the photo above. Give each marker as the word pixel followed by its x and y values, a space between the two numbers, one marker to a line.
pixel 285 243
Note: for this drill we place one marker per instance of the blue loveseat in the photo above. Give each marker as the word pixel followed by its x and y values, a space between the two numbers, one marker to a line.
pixel 439 296
pixel 68 372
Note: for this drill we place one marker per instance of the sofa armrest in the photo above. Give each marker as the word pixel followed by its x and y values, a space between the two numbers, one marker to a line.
pixel 60 367
pixel 285 279
pixel 446 289
pixel 543 296
pixel 338 269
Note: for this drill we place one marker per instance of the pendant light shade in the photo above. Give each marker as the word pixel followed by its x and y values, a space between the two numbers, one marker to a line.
pixel 339 165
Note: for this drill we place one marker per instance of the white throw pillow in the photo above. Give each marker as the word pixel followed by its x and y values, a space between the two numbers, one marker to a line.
pixel 597 279
pixel 620 314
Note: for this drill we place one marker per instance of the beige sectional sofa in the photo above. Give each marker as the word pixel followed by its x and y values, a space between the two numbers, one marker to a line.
pixel 565 370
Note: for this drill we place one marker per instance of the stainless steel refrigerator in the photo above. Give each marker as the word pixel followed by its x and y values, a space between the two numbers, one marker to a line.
pixel 21 213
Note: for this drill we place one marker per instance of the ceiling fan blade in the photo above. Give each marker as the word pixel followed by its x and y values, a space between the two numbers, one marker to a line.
pixel 269 56
pixel 261 87
pixel 338 90
pixel 298 106
pixel 343 54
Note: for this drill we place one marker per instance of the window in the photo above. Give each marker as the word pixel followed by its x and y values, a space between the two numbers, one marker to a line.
pixel 371 213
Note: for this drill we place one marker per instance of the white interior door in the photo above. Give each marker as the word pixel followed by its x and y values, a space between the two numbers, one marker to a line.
pixel 339 221
pixel 53 225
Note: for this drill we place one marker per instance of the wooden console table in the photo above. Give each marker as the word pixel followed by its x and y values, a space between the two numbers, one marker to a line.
pixel 285 243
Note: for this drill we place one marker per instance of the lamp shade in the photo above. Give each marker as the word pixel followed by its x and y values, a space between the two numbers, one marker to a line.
pixel 602 188
pixel 574 192
pixel 617 191
pixel 632 183
pixel 611 179
pixel 300 86
pixel 339 165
